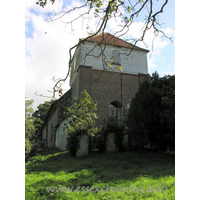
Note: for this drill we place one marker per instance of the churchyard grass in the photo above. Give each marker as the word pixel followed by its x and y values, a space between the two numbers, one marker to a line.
pixel 141 168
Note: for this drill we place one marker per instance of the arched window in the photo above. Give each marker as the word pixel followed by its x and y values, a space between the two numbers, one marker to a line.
pixel 115 110
pixel 116 57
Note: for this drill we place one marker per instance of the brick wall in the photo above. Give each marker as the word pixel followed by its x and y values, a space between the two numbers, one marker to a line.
pixel 106 86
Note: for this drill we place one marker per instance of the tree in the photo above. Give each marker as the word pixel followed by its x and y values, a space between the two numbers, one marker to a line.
pixel 29 127
pixel 151 118
pixel 39 117
pixel 81 116
pixel 42 110
pixel 104 11
pixel 33 125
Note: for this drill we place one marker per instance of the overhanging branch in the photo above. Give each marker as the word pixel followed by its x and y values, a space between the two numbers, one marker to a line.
pixel 103 13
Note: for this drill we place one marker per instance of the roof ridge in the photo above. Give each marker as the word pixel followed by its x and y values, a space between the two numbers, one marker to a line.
pixel 113 40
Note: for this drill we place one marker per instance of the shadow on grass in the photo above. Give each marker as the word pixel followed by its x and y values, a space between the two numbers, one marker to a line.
pixel 59 169
pixel 56 187
pixel 124 165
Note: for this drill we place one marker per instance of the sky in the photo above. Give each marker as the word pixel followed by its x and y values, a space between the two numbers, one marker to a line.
pixel 46 56
pixel 47 44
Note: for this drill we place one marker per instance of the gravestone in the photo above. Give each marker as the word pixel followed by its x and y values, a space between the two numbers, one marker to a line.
pixel 111 143
pixel 125 141
pixel 83 146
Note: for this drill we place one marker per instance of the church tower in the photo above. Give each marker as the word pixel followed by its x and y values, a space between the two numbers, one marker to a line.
pixel 110 70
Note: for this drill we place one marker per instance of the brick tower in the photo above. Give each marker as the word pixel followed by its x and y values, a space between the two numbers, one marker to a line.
pixel 96 67
pixel 112 79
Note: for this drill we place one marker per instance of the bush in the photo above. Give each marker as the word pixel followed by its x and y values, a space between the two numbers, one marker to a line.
pixel 110 126
pixel 151 118
pixel 33 126
pixel 81 116
pixel 28 147
pixel 73 140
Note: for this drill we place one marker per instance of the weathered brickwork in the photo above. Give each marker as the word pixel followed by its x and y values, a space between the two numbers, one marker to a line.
pixel 106 87
pixel 112 89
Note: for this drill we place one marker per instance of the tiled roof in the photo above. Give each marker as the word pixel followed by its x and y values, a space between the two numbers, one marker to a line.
pixel 113 40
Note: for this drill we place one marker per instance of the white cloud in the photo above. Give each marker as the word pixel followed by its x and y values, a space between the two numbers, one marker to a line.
pixel 151 65
pixel 154 44
pixel 47 54
pixel 167 73
pixel 47 50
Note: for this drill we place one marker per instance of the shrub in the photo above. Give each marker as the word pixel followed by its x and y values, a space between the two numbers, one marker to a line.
pixel 28 147
pixel 81 116
pixel 73 140
pixel 151 118
pixel 110 126
pixel 33 126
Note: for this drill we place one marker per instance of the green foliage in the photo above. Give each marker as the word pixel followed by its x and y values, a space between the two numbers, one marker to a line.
pixel 82 113
pixel 28 108
pixel 33 126
pixel 42 110
pixel 110 126
pixel 151 118
pixel 96 4
pixel 81 116
pixel 28 147
pixel 73 140
pixel 29 126
pixel 139 168
pixel 43 3
pixel 128 9
pixel 39 118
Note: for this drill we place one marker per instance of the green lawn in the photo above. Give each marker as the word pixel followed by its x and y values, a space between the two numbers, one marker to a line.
pixel 141 169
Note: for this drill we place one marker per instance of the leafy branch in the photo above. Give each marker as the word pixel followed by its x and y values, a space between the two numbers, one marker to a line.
pixel 103 12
